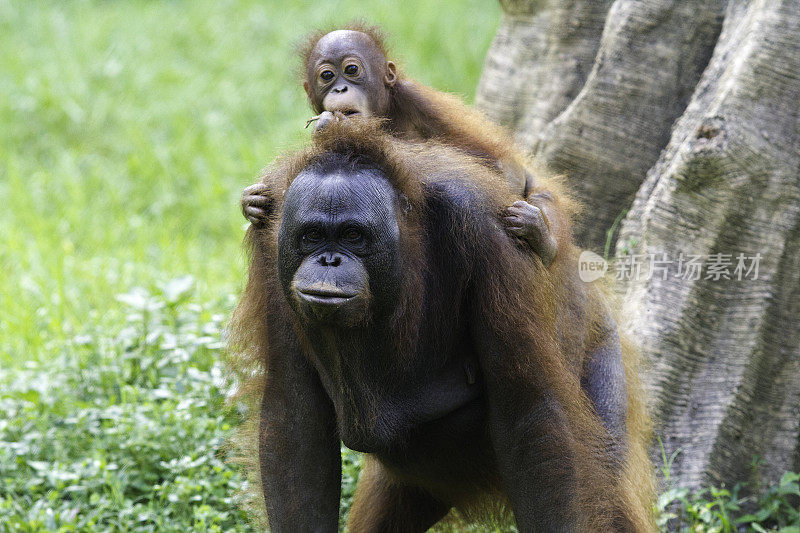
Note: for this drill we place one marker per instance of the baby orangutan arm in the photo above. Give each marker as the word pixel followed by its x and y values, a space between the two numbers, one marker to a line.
pixel 257 203
pixel 533 221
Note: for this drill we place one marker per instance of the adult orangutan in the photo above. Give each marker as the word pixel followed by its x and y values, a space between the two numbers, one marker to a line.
pixel 388 310
pixel 347 74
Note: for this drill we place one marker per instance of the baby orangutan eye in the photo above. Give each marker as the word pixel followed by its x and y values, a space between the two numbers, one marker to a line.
pixel 351 70
pixel 326 75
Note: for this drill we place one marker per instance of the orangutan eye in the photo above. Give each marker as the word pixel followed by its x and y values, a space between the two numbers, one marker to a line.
pixel 351 70
pixel 353 235
pixel 312 237
pixel 326 75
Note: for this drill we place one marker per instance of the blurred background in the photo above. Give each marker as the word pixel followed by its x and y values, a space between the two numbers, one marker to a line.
pixel 127 131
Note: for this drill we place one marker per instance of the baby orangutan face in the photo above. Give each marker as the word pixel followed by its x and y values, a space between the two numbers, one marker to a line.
pixel 347 73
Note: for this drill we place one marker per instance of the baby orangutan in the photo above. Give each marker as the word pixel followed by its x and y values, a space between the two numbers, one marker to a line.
pixel 348 76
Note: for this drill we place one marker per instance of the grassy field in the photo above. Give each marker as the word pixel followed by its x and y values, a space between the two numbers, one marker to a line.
pixel 127 131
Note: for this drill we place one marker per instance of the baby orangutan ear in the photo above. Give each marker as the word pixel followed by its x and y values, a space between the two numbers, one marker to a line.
pixel 391 74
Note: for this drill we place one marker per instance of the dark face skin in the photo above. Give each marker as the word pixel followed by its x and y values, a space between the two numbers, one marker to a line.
pixel 347 73
pixel 338 247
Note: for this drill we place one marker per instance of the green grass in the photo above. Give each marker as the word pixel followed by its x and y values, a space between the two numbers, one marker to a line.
pixel 128 129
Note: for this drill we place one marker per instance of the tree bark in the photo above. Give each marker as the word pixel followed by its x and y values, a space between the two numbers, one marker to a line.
pixel 693 108
pixel 592 87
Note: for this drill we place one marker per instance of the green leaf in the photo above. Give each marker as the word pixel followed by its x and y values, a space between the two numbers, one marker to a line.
pixel 178 289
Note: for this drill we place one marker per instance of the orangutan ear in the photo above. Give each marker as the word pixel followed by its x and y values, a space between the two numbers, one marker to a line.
pixel 391 74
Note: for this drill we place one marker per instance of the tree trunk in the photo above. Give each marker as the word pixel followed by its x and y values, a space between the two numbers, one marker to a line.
pixel 689 116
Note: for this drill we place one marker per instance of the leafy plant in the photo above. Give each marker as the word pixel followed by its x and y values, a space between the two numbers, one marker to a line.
pixel 719 510
pixel 128 433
